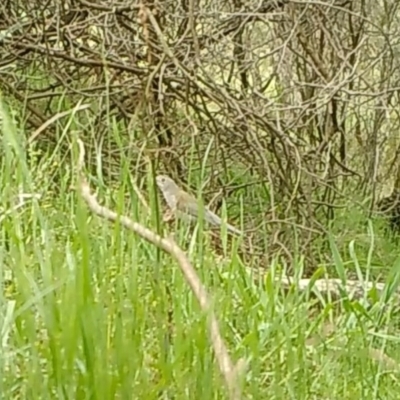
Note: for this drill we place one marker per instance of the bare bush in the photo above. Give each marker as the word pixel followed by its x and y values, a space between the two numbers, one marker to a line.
pixel 297 97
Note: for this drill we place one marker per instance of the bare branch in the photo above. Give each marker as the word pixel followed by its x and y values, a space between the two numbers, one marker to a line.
pixel 54 118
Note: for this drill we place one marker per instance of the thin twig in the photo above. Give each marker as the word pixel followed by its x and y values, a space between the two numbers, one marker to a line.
pixel 54 118
pixel 22 197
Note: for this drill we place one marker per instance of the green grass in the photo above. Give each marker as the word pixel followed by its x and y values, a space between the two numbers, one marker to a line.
pixel 91 311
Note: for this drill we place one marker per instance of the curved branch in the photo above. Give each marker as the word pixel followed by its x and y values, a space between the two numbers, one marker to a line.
pixel 228 370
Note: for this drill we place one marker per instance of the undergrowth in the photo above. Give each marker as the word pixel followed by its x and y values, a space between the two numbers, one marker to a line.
pixel 91 311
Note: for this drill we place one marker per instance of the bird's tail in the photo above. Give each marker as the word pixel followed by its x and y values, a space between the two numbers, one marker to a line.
pixel 215 220
pixel 234 230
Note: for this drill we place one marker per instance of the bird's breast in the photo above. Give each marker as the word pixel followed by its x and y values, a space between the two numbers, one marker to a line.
pixel 171 201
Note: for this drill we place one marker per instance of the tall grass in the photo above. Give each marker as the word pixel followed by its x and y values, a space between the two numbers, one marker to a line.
pixel 91 311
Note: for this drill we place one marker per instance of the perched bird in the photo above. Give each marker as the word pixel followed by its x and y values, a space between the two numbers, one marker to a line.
pixel 185 205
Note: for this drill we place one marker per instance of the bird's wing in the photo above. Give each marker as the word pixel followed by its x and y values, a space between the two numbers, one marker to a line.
pixel 187 204
pixel 190 205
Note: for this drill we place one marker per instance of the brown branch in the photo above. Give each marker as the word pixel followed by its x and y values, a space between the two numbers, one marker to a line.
pixel 228 370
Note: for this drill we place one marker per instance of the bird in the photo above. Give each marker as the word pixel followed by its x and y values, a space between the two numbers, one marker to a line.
pixel 185 205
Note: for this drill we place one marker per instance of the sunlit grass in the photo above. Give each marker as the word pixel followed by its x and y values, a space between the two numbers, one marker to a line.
pixel 91 311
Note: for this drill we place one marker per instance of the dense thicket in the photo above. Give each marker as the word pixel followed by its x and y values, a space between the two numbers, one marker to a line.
pixel 292 105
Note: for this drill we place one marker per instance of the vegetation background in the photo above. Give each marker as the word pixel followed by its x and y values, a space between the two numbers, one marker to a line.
pixel 285 114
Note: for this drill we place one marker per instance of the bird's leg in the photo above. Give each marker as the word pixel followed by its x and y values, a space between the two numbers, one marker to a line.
pixel 168 215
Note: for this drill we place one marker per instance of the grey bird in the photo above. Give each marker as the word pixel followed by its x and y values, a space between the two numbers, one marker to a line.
pixel 185 205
